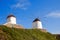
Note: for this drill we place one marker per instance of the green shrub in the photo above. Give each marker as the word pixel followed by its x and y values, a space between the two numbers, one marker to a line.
pixel 23 34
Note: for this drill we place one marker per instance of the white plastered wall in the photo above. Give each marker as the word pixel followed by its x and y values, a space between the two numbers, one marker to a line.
pixel 11 20
pixel 37 24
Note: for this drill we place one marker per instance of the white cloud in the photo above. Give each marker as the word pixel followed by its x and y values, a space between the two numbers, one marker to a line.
pixel 22 4
pixel 53 15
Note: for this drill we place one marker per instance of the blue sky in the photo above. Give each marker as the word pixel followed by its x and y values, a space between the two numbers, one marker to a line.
pixel 48 11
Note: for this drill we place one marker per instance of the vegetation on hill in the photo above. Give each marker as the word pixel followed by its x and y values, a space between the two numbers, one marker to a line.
pixel 23 34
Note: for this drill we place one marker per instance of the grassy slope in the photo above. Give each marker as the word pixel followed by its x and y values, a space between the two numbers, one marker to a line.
pixel 23 34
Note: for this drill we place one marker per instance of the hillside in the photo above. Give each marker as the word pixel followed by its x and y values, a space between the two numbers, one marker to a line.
pixel 23 34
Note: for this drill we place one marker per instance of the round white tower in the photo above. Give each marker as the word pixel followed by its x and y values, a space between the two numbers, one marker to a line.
pixel 11 19
pixel 37 24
